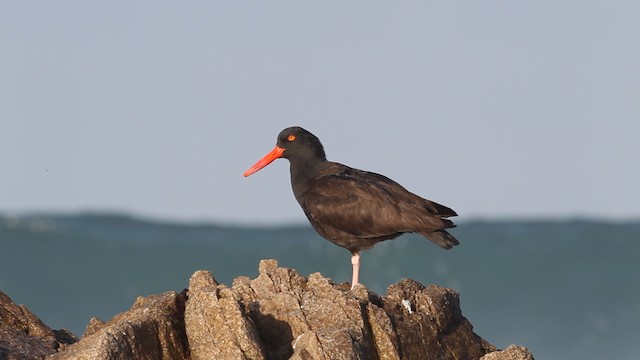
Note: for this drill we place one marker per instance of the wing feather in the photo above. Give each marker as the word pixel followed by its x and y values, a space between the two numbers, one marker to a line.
pixel 368 205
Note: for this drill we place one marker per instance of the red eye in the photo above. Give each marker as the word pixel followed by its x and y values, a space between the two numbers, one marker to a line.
pixel 291 137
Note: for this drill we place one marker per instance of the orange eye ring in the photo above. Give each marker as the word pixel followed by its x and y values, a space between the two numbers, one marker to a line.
pixel 291 137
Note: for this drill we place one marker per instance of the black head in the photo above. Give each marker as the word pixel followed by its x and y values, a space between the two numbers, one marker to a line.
pixel 299 143
pixel 296 144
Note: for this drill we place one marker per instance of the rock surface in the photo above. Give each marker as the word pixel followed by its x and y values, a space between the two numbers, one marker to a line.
pixel 152 329
pixel 513 352
pixel 24 336
pixel 283 315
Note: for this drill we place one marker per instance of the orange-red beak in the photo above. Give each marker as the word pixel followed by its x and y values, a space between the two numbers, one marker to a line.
pixel 266 160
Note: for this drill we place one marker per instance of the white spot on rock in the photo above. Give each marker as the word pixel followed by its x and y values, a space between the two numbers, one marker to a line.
pixel 407 305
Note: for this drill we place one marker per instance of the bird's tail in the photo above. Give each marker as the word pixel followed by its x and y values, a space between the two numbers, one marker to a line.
pixel 441 238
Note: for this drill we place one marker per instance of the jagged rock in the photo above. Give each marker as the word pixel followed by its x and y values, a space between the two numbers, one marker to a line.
pixel 152 329
pixel 513 352
pixel 217 327
pixel 24 336
pixel 280 315
pixel 93 326
pixel 429 323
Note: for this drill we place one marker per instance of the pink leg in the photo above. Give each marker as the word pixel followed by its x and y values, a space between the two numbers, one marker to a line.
pixel 355 262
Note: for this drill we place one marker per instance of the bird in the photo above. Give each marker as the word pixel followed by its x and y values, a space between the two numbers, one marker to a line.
pixel 352 208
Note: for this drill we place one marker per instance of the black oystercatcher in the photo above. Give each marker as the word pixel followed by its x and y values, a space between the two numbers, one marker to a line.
pixel 352 208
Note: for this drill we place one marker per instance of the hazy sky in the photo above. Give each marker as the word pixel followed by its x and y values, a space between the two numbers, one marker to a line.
pixel 494 108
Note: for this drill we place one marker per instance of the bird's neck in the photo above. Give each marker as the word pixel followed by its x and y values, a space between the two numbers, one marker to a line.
pixel 303 173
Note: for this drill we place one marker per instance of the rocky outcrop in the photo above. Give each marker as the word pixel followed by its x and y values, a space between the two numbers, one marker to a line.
pixel 24 336
pixel 152 329
pixel 283 315
pixel 513 352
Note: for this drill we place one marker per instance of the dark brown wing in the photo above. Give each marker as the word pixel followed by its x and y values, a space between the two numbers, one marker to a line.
pixel 401 193
pixel 353 204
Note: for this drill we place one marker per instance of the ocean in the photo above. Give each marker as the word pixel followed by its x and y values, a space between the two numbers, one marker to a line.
pixel 564 289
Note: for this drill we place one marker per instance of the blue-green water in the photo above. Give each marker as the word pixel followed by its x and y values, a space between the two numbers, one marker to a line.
pixel 566 290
